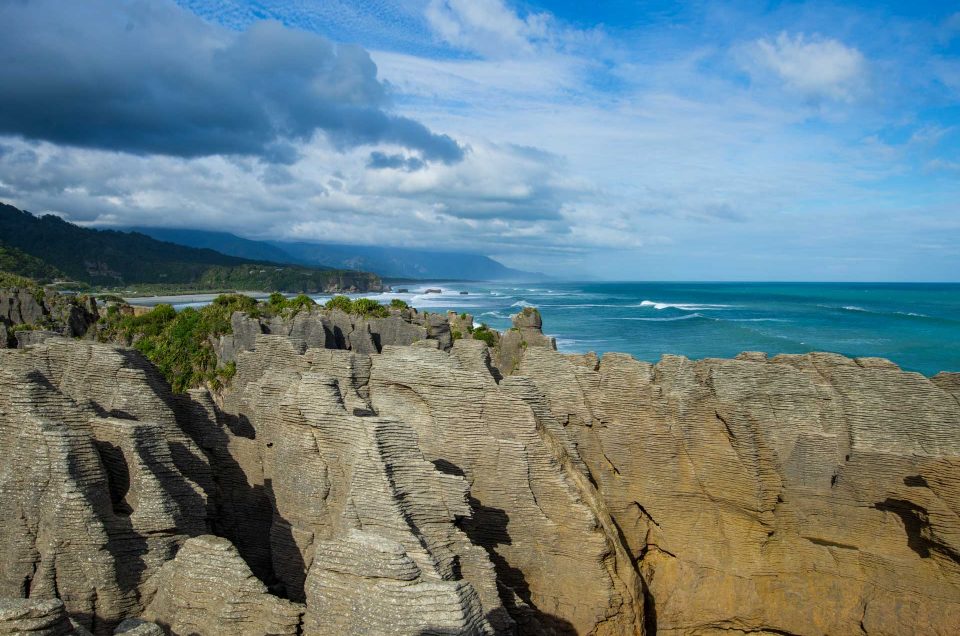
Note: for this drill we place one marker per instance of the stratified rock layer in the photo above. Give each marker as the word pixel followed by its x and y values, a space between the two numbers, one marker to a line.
pixel 379 477
pixel 362 528
pixel 208 589
pixel 43 311
pixel 557 556
pixel 34 617
pixel 99 484
pixel 805 494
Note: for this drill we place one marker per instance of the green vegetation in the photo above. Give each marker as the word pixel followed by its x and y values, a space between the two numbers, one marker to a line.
pixel 223 375
pixel 396 303
pixel 48 247
pixel 343 303
pixel 19 263
pixel 456 335
pixel 180 344
pixel 280 304
pixel 283 277
pixel 485 334
pixel 366 307
pixel 8 279
pixel 463 316
pixel 369 308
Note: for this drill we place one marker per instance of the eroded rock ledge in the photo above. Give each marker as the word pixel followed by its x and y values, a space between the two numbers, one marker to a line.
pixel 363 477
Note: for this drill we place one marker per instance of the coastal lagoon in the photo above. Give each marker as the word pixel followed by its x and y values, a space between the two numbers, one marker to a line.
pixel 915 325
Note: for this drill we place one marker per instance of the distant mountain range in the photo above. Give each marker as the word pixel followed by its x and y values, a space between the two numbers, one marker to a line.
pixel 392 262
pixel 49 247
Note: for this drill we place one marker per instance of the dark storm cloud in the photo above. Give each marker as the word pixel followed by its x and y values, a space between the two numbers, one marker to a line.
pixel 149 77
pixel 381 161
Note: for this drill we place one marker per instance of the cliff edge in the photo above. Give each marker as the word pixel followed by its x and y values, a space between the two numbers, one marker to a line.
pixel 411 474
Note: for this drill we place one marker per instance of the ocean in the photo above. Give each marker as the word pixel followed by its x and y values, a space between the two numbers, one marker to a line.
pixel 915 325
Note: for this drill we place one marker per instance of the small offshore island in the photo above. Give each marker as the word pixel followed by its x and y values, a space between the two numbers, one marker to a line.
pixel 281 467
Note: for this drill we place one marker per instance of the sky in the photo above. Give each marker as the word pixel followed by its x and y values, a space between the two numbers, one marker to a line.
pixel 617 140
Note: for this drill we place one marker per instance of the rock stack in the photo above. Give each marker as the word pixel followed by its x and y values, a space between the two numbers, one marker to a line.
pixel 379 477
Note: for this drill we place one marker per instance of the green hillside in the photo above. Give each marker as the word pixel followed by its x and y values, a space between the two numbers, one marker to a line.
pixel 112 259
pixel 20 263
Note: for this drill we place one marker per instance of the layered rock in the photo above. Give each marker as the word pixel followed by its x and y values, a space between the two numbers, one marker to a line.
pixel 99 483
pixel 377 477
pixel 208 589
pixel 36 617
pixel 527 331
pixel 138 627
pixel 360 519
pixel 25 310
pixel 559 560
pixel 334 329
pixel 801 494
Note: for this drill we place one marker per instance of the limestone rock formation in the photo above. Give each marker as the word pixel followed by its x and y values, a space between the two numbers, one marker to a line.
pixel 363 527
pixel 138 627
pixel 805 494
pixel 334 329
pixel 99 482
pixel 526 332
pixel 36 617
pixel 559 561
pixel 39 309
pixel 376 476
pixel 208 589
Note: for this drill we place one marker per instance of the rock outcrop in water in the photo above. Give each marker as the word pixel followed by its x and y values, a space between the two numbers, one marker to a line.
pixel 376 476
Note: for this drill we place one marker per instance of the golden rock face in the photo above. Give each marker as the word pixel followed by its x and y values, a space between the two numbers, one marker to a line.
pixel 805 494
pixel 417 489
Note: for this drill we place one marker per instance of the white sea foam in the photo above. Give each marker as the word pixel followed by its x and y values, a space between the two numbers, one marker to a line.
pixel 521 303
pixel 681 306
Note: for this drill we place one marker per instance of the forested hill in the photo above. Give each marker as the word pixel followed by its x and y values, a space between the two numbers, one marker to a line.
pixel 109 258
pixel 395 262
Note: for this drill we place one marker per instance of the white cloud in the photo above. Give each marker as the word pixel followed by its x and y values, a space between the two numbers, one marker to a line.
pixel 943 165
pixel 487 27
pixel 499 195
pixel 930 134
pixel 643 155
pixel 815 67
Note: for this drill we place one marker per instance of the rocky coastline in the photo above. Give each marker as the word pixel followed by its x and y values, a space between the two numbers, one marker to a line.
pixel 409 473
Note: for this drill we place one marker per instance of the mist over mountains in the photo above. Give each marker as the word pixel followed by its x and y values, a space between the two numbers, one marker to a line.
pixel 48 247
pixel 390 262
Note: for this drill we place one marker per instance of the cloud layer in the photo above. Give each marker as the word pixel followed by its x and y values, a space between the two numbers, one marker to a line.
pixel 703 140
pixel 816 67
pixel 147 77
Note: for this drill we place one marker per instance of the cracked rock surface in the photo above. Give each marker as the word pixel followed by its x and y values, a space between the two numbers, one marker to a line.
pixel 379 477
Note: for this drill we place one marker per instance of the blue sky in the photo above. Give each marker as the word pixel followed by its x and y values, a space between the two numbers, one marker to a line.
pixel 629 140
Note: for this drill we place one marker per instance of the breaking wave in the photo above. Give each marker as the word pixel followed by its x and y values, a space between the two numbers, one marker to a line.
pixel 681 306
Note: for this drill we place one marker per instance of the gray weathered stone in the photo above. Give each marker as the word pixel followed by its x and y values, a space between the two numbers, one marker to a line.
pixel 208 589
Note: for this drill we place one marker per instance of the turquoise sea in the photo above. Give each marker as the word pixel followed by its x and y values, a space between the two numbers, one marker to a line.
pixel 915 325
